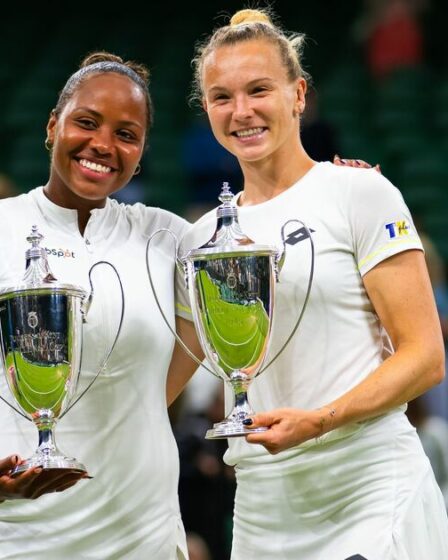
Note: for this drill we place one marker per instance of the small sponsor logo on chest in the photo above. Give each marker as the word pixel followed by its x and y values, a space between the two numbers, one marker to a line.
pixel 298 235
pixel 61 253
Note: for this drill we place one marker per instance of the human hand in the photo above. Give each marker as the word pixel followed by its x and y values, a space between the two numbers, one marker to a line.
pixel 34 482
pixel 288 427
pixel 355 163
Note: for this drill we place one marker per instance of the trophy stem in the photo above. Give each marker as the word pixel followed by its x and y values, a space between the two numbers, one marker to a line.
pixel 233 426
pixel 45 423
pixel 47 455
pixel 240 385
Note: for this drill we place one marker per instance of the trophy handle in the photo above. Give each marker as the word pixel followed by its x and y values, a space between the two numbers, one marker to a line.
pixel 15 409
pixel 3 398
pixel 181 267
pixel 279 265
pixel 84 310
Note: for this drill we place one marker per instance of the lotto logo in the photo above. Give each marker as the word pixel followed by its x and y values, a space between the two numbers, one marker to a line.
pixel 399 229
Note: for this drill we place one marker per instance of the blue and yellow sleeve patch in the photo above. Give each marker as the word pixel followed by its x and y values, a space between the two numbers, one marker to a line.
pixel 400 228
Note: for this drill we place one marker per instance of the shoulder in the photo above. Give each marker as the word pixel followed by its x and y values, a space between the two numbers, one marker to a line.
pixel 346 175
pixel 150 218
pixel 358 185
pixel 15 208
pixel 7 204
pixel 200 232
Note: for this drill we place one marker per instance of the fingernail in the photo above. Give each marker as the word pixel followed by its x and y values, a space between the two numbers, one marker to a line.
pixel 336 156
pixel 38 470
pixel 248 421
pixel 358 162
pixel 15 459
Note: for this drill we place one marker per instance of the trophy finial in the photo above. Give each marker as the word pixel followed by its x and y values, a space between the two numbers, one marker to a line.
pixel 228 208
pixel 34 237
pixel 228 231
pixel 226 195
pixel 37 269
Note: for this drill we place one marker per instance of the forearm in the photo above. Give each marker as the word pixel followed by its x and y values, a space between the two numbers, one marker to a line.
pixel 401 293
pixel 182 367
pixel 179 373
pixel 412 370
pixel 404 376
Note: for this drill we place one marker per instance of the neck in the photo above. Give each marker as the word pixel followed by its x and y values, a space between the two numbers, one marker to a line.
pixel 65 198
pixel 267 179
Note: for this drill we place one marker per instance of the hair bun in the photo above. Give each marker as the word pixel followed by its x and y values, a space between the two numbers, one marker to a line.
pixel 250 16
pixel 100 56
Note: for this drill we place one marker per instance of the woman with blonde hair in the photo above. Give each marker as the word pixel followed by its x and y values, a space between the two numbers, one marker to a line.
pixel 340 473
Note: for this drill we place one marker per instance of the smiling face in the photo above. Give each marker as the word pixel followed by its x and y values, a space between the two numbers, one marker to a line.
pixel 97 140
pixel 252 105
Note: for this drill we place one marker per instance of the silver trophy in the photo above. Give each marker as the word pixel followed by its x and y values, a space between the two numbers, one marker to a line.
pixel 41 347
pixel 231 285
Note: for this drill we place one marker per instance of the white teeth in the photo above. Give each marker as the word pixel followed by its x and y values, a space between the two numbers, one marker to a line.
pixel 95 166
pixel 248 132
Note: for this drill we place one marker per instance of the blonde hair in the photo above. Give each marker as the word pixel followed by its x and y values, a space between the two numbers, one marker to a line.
pixel 246 25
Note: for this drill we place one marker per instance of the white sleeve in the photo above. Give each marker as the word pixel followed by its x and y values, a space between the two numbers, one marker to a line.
pixel 380 222
pixel 195 237
pixel 180 228
pixel 183 308
pixel 6 232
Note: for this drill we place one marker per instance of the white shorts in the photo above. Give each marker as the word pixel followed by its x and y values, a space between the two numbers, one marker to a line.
pixel 371 496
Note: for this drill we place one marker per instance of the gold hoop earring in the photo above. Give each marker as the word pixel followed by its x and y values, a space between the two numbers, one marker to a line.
pixel 48 145
pixel 137 169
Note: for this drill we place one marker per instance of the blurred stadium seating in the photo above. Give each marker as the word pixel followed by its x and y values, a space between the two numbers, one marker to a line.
pixel 401 123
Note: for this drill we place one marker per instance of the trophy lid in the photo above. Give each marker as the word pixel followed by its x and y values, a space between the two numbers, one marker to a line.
pixel 38 275
pixel 229 239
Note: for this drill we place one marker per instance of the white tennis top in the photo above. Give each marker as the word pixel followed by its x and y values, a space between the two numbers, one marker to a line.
pixel 357 218
pixel 120 429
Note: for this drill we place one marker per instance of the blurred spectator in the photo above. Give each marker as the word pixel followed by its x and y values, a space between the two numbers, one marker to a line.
pixel 437 275
pixel 436 400
pixel 200 392
pixel 391 32
pixel 206 485
pixel 433 433
pixel 319 137
pixel 197 547
pixel 7 187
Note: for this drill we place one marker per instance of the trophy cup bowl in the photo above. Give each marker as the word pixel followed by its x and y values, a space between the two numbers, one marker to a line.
pixel 40 351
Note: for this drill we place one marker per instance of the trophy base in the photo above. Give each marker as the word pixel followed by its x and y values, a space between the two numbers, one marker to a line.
pixel 47 463
pixel 224 430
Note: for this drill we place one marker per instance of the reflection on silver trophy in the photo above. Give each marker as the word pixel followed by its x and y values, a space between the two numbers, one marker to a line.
pixel 40 349
pixel 231 285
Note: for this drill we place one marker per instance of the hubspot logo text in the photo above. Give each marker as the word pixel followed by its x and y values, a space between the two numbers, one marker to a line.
pixel 66 253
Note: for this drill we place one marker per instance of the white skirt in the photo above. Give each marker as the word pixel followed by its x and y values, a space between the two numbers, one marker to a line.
pixel 370 496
